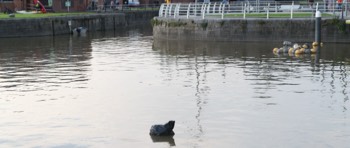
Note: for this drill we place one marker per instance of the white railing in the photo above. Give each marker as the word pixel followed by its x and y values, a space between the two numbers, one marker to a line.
pixel 252 10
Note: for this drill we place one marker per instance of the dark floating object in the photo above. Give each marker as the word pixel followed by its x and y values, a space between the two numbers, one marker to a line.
pixel 163 130
pixel 79 30
pixel 297 49
pixel 164 139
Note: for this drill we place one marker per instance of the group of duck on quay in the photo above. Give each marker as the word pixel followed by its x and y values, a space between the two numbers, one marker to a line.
pixel 296 49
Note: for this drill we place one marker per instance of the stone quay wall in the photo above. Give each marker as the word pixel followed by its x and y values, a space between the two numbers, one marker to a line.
pixel 14 27
pixel 296 30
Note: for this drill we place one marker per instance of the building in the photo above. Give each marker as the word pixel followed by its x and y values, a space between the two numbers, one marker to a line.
pixel 50 5
pixel 75 5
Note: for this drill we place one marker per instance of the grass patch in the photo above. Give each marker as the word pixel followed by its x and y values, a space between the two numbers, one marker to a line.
pixel 271 15
pixel 43 15
pixel 140 8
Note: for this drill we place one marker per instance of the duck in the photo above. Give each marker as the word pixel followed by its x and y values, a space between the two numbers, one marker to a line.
pixel 285 49
pixel 306 45
pixel 299 51
pixel 313 50
pixel 279 50
pixel 296 45
pixel 287 43
pixel 291 50
pixel 316 44
pixel 294 48
pixel 307 50
pixel 163 130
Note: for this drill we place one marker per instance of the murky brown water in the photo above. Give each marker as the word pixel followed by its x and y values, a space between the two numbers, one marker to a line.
pixel 106 90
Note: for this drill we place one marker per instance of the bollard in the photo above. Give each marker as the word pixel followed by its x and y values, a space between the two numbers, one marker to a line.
pixel 318 36
pixel 318 28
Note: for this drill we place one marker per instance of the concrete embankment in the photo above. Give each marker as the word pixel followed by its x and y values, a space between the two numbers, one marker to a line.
pixel 298 30
pixel 59 25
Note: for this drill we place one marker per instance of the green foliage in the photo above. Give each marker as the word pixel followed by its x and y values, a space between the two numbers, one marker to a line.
pixel 222 23
pixel 43 15
pixel 261 23
pixel 204 25
pixel 170 23
pixel 340 24
pixel 156 22
pixel 243 25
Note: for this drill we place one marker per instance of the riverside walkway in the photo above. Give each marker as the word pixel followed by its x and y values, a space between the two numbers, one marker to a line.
pixel 248 21
pixel 249 9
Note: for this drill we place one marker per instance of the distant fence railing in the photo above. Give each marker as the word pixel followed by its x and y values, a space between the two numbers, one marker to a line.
pixel 246 9
pixel 112 8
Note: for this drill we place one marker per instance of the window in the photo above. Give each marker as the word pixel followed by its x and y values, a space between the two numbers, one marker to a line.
pixel 71 2
pixel 6 1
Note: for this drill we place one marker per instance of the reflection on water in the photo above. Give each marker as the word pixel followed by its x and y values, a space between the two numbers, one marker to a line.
pixel 258 63
pixel 273 78
pixel 27 64
pixel 168 139
pixel 106 90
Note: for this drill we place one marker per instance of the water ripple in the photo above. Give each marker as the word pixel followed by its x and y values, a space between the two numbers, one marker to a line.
pixel 30 72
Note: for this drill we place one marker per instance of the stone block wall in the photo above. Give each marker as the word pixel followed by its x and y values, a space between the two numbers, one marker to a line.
pixel 14 27
pixel 298 30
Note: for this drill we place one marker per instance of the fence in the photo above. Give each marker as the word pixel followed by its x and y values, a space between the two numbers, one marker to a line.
pixel 112 8
pixel 248 9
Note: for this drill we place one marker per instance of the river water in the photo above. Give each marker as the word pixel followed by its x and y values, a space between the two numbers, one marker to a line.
pixel 107 89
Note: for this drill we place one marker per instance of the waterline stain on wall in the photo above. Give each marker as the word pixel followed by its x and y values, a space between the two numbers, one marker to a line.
pixel 333 30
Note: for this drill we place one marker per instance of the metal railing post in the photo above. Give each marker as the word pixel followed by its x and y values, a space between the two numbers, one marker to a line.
pixel 228 8
pixel 257 6
pixel 248 7
pixel 188 11
pixel 166 10
pixel 214 7
pixel 175 11
pixel 276 10
pixel 208 8
pixel 245 5
pixel 333 7
pixel 178 10
pixel 203 10
pixel 268 10
pixel 291 10
pixel 161 10
pixel 195 9
pixel 222 12
pixel 220 7
pixel 346 8
pixel 170 7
